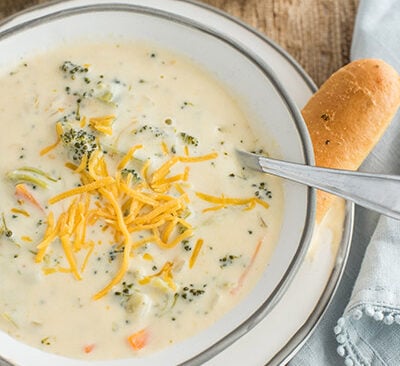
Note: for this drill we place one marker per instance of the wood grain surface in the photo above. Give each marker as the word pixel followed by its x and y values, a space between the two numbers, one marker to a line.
pixel 317 33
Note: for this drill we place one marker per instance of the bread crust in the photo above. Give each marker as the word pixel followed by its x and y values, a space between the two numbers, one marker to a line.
pixel 348 115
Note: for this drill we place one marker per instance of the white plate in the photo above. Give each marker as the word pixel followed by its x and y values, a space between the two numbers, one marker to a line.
pixel 281 332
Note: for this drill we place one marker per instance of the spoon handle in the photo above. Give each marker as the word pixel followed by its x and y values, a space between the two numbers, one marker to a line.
pixel 378 192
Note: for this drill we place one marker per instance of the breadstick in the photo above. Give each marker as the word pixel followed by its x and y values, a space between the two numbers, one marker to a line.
pixel 347 116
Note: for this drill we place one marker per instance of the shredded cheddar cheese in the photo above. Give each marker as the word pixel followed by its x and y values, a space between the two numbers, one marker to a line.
pixel 147 257
pixel 222 202
pixel 102 124
pixel 164 148
pixel 85 188
pixel 82 165
pixel 83 122
pixel 128 156
pixel 47 149
pixel 20 211
pixel 154 210
pixel 165 273
pixel 195 253
pixel 158 205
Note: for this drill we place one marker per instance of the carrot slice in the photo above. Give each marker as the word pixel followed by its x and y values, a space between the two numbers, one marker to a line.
pixel 139 339
pixel 247 269
pixel 22 192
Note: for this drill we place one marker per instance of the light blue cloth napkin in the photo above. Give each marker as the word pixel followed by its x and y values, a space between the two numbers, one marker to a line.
pixel 362 324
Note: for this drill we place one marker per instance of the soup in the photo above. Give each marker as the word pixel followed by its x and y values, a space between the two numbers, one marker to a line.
pixel 128 223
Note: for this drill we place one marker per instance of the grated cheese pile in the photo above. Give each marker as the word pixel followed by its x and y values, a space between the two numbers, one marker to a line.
pixel 155 208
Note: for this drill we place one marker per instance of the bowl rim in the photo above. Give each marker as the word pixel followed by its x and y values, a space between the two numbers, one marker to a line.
pixel 299 124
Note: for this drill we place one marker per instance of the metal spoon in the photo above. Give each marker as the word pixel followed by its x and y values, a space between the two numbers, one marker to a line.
pixel 378 192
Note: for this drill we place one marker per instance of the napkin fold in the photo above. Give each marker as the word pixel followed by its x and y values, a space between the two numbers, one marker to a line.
pixel 362 324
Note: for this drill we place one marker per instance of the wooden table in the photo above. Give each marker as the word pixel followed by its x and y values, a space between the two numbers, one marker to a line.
pixel 317 33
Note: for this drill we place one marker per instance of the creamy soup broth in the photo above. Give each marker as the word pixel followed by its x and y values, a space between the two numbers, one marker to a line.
pixel 159 230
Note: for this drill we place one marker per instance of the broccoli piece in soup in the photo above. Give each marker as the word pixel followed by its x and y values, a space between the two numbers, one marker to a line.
pixel 79 142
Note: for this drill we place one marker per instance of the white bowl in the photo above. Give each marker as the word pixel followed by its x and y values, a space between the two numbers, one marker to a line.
pixel 264 98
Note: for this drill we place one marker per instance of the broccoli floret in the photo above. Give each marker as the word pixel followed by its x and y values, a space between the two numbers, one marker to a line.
pixel 79 142
pixel 135 174
pixel 86 85
pixel 71 69
pixel 154 130
pixel 188 139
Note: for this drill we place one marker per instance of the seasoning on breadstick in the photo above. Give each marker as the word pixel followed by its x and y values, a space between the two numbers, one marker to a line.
pixel 349 113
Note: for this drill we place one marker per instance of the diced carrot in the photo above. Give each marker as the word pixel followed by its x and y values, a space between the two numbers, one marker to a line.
pixel 22 192
pixel 89 348
pixel 139 339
